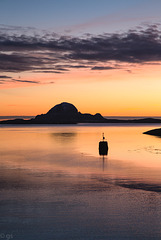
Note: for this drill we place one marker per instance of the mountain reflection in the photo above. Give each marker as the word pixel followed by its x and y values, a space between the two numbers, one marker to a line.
pixel 64 136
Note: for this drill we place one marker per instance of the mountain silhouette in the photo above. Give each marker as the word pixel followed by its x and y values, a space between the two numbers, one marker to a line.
pixel 67 113
pixel 63 113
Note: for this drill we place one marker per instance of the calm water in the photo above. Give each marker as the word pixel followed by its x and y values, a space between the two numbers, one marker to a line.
pixel 54 184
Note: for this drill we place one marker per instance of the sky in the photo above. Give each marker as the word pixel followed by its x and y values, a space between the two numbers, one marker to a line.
pixel 100 55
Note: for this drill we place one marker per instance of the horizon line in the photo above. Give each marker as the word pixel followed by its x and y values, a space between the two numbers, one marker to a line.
pixel 2 116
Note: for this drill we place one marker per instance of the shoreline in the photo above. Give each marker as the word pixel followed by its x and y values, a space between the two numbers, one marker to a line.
pixel 33 122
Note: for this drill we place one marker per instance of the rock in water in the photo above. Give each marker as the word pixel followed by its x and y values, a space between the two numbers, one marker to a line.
pixel 154 132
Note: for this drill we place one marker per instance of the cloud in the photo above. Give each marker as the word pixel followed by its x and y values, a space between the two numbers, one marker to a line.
pixel 102 68
pixel 10 80
pixel 78 66
pixel 24 81
pixel 2 76
pixel 50 53
pixel 44 71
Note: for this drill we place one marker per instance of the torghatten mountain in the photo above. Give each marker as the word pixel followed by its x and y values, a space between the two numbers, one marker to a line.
pixel 67 113
pixel 63 113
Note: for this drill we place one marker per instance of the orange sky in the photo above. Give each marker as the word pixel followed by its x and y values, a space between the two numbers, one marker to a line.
pixel 100 57
pixel 115 92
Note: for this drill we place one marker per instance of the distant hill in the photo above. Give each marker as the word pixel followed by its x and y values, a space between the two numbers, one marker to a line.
pixel 67 113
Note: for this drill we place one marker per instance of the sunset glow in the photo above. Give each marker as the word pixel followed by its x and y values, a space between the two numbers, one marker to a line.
pixel 100 58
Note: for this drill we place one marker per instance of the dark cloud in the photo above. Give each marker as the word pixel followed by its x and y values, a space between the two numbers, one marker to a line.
pixel 78 66
pixel 2 76
pixel 48 72
pixel 102 68
pixel 24 81
pixel 50 53
pixel 6 80
pixel 16 62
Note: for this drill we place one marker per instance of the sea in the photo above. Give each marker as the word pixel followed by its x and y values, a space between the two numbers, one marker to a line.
pixel 54 185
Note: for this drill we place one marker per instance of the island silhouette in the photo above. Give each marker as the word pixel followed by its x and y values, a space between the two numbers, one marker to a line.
pixel 67 113
pixel 154 132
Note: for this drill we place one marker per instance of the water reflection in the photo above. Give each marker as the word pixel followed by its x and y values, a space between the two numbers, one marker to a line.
pixel 75 149
pixel 65 137
pixel 104 162
pixel 53 182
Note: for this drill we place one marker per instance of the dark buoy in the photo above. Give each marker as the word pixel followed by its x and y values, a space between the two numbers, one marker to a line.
pixel 103 147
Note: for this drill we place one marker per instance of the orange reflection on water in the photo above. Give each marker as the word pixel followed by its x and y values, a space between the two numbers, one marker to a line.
pixel 73 150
